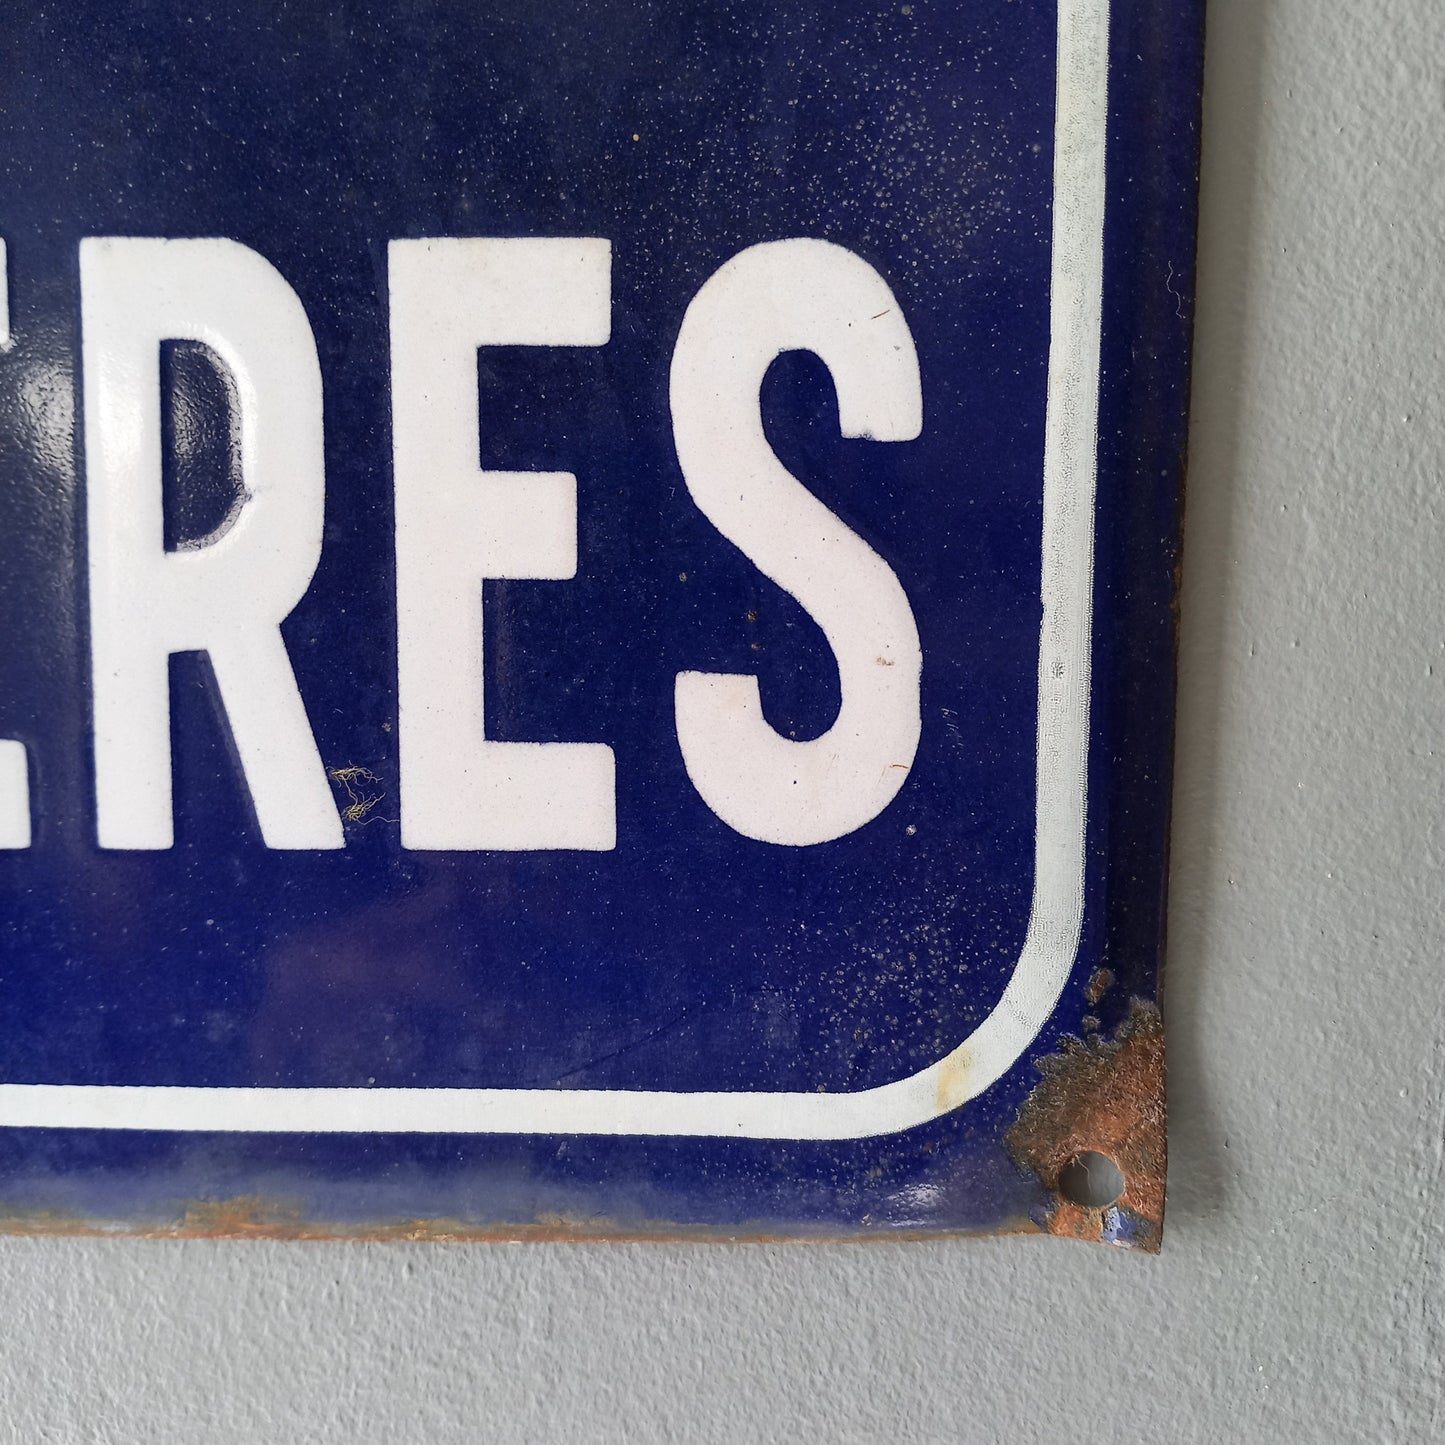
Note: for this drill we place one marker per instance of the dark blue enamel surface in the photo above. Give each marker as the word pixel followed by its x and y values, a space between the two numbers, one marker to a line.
pixel 919 137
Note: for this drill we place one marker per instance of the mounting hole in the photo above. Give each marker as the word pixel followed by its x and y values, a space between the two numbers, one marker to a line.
pixel 1092 1180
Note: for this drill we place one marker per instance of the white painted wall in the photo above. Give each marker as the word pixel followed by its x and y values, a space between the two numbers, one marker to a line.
pixel 1301 1294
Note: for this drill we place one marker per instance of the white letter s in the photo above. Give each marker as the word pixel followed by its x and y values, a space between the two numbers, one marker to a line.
pixel 798 295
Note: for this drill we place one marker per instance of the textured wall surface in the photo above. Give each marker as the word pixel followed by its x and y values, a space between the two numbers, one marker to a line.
pixel 1301 1293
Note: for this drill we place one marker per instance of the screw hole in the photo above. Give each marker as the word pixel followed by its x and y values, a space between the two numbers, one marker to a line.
pixel 1092 1180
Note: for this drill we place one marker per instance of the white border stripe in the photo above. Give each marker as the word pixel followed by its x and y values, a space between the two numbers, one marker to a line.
pixel 5 337
pixel 1056 917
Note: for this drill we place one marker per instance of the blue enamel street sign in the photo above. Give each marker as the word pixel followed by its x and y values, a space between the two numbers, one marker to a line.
pixel 586 636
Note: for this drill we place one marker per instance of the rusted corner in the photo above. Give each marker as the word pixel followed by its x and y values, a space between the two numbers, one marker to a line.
pixel 1105 1097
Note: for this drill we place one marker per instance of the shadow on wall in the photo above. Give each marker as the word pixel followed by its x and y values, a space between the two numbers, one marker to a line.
pixel 1235 46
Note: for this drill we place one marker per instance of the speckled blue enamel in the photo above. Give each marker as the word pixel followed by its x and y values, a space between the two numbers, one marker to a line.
pixel 918 136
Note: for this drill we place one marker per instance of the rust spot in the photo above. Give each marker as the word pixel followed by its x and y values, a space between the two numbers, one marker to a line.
pixel 1099 984
pixel 1106 1097
pixel 953 1075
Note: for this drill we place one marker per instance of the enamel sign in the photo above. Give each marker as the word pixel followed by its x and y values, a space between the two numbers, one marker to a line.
pixel 586 637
